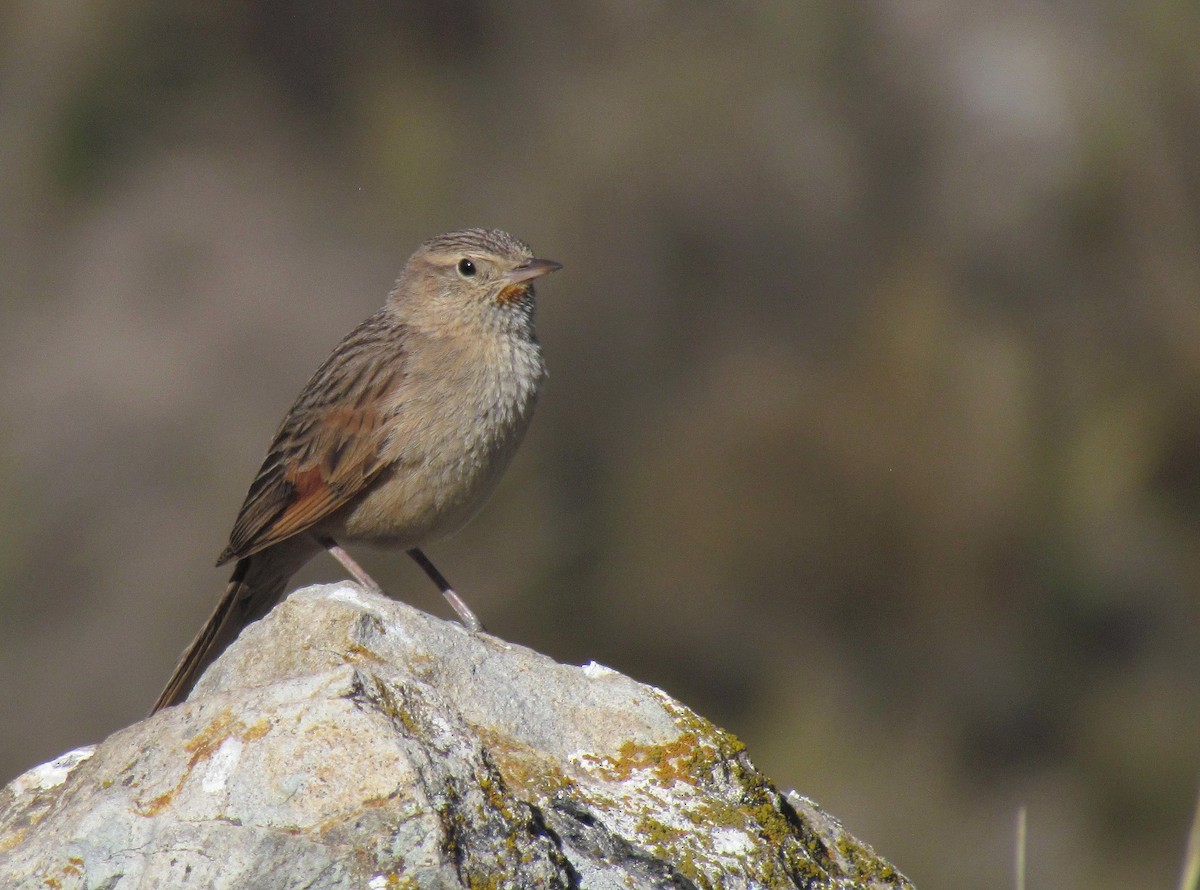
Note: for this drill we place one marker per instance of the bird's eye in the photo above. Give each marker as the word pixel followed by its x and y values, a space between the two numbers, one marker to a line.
pixel 466 268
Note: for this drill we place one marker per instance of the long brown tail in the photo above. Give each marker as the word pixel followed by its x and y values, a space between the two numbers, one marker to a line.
pixel 255 586
pixel 217 633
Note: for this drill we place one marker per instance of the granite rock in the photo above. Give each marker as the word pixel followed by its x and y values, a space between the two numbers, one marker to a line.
pixel 351 741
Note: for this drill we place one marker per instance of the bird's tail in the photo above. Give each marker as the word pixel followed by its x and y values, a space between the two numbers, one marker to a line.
pixel 255 586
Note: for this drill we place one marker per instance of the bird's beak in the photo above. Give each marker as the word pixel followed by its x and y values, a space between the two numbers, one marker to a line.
pixel 531 269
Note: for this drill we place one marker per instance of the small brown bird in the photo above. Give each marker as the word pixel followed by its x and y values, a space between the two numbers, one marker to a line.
pixel 398 438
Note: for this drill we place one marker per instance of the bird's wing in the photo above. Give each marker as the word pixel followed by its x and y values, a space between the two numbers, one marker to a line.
pixel 329 446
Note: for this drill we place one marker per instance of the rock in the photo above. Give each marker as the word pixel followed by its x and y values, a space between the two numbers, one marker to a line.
pixel 350 741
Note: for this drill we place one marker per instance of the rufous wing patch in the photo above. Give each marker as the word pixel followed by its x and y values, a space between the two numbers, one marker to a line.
pixel 320 472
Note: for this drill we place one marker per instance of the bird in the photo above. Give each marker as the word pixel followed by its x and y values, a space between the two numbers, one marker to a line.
pixel 397 439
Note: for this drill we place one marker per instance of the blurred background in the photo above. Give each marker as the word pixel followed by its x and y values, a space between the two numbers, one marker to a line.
pixel 873 424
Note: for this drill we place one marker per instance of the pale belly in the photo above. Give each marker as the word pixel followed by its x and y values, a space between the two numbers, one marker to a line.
pixel 416 504
pixel 454 435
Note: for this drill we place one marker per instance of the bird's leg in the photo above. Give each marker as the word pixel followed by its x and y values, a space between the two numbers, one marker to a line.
pixel 470 622
pixel 351 566
pixel 468 618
